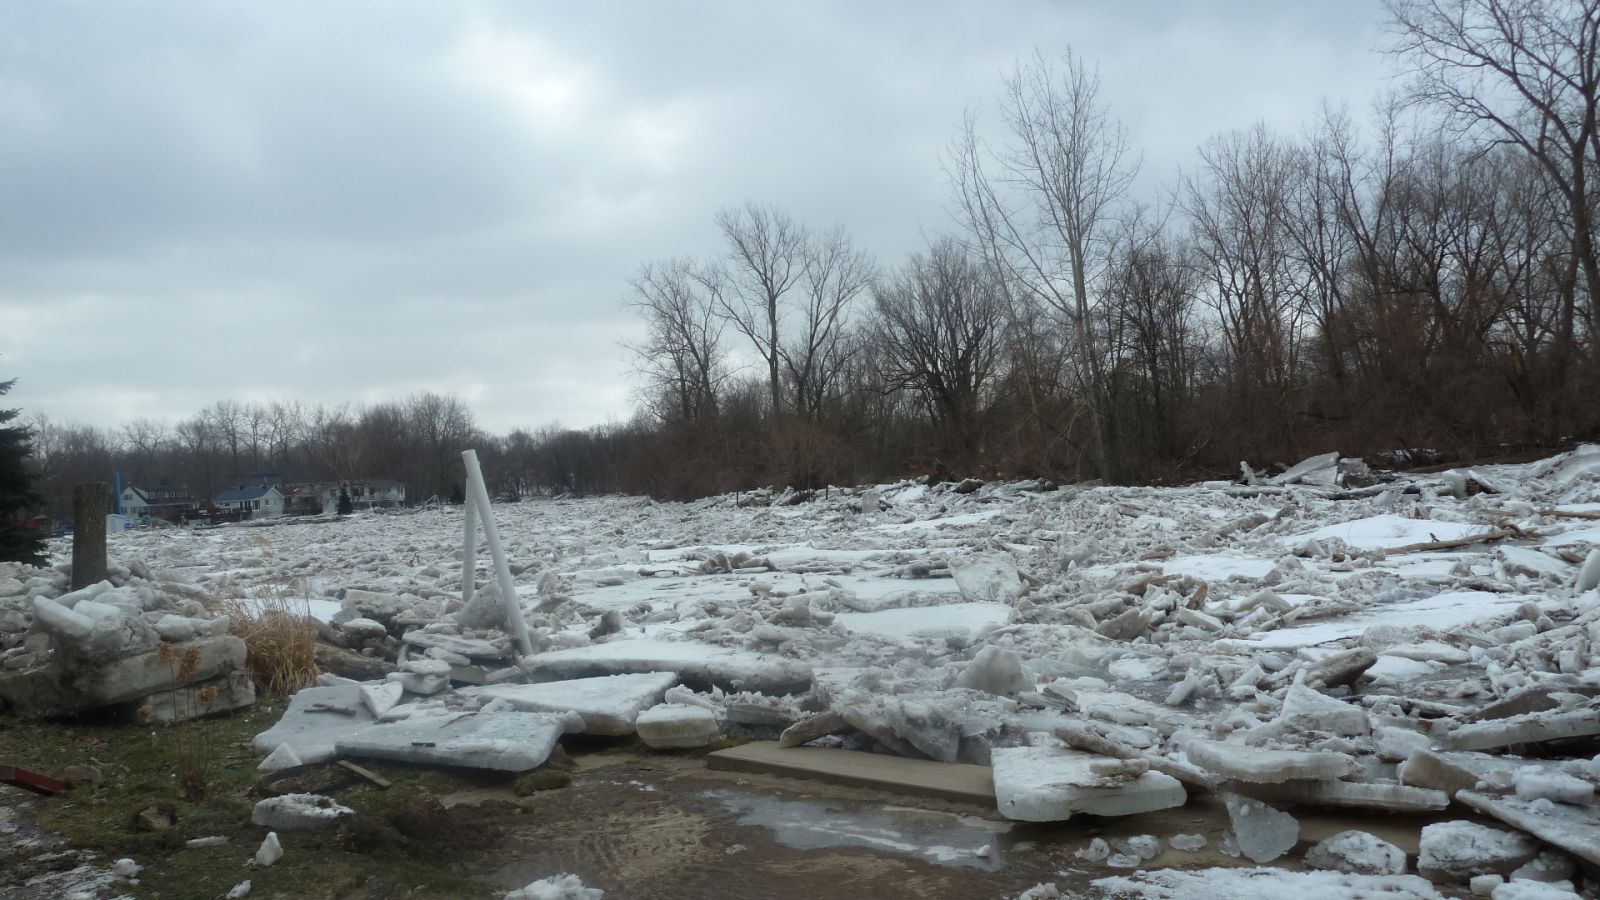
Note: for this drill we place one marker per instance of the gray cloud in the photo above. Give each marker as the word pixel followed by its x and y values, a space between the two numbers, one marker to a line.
pixel 358 200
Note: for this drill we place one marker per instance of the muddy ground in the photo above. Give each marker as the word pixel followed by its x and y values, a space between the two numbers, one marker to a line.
pixel 646 825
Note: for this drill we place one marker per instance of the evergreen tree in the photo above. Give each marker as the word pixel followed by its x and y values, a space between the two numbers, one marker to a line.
pixel 18 543
pixel 345 507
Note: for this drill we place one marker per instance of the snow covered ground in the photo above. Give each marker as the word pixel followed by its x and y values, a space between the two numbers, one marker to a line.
pixel 1148 618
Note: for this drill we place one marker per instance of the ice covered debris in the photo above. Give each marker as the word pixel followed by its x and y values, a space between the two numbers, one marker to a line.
pixel 292 812
pixel 119 646
pixel 1043 784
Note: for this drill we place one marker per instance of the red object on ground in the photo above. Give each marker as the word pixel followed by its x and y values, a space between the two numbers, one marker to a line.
pixel 29 780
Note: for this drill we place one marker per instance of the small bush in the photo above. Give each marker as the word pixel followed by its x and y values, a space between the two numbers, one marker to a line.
pixel 281 639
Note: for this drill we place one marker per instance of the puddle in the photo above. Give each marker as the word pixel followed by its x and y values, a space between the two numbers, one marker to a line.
pixel 942 838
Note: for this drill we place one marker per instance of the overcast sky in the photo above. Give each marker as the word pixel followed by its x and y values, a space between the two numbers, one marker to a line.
pixel 354 201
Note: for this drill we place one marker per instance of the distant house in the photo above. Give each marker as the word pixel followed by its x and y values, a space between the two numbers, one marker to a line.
pixel 262 501
pixel 168 503
pixel 322 497
pixel 365 493
pixel 301 500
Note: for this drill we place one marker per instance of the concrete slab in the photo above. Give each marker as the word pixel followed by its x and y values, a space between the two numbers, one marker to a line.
pixel 917 777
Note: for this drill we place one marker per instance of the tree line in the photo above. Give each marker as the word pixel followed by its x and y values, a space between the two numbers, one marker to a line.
pixel 1424 276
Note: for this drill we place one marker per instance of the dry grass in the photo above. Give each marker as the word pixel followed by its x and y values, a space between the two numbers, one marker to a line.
pixel 280 635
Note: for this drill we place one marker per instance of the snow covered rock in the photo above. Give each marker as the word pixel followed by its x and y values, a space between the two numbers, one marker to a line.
pixel 1358 852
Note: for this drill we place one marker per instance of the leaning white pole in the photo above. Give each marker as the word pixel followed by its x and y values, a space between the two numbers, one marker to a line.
pixel 469 552
pixel 478 493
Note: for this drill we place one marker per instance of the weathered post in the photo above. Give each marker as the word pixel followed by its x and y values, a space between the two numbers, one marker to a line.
pixel 90 505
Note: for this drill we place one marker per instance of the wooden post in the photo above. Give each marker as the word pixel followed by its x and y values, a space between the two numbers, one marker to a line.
pixel 90 505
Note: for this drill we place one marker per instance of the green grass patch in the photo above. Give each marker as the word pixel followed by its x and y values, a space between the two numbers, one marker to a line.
pixel 140 765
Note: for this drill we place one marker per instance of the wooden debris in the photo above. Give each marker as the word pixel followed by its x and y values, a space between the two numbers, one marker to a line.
pixel 1497 534
pixel 381 782
pixel 29 780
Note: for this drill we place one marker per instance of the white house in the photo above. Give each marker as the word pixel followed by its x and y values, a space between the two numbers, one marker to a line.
pixel 365 493
pixel 258 502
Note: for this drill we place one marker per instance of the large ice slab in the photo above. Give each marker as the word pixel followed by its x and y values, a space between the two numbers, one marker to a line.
pixel 1256 883
pixel 1575 829
pixel 954 619
pixel 609 704
pixel 1386 532
pixel 1451 609
pixel 694 663
pixel 1040 784
pixel 1260 766
pixel 504 742
pixel 315 719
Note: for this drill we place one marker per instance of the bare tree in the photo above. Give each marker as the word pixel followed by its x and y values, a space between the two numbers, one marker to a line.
pixel 834 273
pixel 682 355
pixel 766 258
pixel 939 326
pixel 1043 207
pixel 1524 72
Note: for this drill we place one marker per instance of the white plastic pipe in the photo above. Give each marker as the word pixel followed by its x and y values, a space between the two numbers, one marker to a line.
pixel 469 552
pixel 478 493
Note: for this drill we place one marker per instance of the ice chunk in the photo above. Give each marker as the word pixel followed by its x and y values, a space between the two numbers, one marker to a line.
pixel 1260 766
pixel 1306 709
pixel 298 811
pixel 268 853
pixel 556 887
pixel 676 725
pixel 1264 884
pixel 1188 843
pixel 1353 794
pixel 1533 782
pixel 1455 851
pixel 609 704
pixel 283 757
pixel 1532 728
pixel 1263 833
pixel 380 698
pixel 1589 575
pixel 1396 744
pixel 1358 852
pixel 1549 866
pixel 1322 470
pixel 242 889
pixel 986 577
pixel 1534 890
pixel 694 662
pixel 1042 784
pixel 997 670
pixel 315 719
pixel 505 741
pixel 1575 829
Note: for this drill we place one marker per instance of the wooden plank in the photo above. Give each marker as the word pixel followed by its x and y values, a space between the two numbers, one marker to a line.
pixel 918 777
pixel 383 783
pixel 30 780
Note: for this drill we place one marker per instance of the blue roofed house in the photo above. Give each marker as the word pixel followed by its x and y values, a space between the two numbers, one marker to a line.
pixel 263 501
